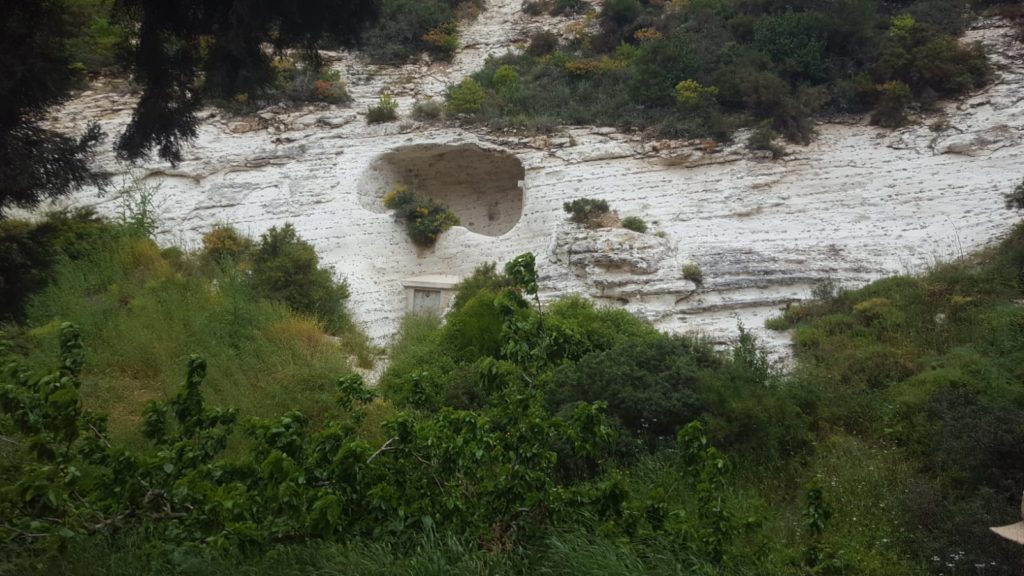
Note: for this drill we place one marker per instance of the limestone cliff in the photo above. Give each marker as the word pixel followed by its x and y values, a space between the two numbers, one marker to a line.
pixel 857 203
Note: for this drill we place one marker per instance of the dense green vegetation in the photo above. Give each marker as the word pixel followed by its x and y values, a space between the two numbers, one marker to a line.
pixel 98 35
pixel 704 67
pixel 257 310
pixel 196 411
pixel 408 28
pixel 511 438
pixel 932 366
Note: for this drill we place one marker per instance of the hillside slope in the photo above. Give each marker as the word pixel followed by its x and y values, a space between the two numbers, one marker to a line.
pixel 856 204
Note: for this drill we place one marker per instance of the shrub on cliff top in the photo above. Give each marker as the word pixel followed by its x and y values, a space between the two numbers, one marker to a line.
pixel 586 211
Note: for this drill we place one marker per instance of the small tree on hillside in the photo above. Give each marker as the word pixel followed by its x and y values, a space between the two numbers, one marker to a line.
pixel 586 211
pixel 286 268
pixel 1015 199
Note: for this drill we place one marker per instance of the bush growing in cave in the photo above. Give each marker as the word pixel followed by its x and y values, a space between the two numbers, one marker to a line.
pixel 425 218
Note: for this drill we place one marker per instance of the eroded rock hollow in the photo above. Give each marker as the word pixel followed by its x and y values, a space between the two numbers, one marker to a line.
pixel 482 186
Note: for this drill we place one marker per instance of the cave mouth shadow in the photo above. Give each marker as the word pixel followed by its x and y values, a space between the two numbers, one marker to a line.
pixel 482 186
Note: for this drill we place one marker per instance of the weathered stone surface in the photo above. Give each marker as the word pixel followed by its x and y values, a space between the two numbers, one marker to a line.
pixel 336 121
pixel 619 267
pixel 857 203
pixel 611 250
pixel 240 127
pixel 981 142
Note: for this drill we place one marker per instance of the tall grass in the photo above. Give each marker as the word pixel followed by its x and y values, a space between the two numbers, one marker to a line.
pixel 143 311
pixel 135 555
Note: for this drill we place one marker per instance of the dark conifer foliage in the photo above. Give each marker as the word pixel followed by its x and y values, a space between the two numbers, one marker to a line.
pixel 36 163
pixel 178 51
pixel 183 50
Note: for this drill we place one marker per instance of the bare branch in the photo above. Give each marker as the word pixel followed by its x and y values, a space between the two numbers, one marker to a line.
pixel 382 449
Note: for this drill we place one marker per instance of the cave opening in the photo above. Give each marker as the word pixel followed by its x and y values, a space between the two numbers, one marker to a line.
pixel 482 186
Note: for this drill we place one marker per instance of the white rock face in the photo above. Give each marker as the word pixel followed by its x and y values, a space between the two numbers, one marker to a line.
pixel 620 267
pixel 857 204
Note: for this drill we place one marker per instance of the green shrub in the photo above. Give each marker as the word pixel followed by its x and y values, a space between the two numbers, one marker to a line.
pixel 586 211
pixel 795 42
pixel 141 314
pixel 576 328
pixel 443 40
pixel 1015 199
pixel 534 7
pixel 770 97
pixel 425 219
pixel 287 268
pixel 555 7
pixel 890 112
pixel 225 246
pixel 763 138
pixel 99 34
pixel 305 82
pixel 466 97
pixel 474 330
pixel 329 88
pixel 484 277
pixel 702 69
pixel 505 79
pixel 693 273
pixel 418 368
pixel 620 13
pixel 777 323
pixel 568 7
pixel 542 43
pixel 406 28
pixel 651 384
pixel 691 94
pixel 386 110
pixel 30 251
pixel 427 110
pixel 634 223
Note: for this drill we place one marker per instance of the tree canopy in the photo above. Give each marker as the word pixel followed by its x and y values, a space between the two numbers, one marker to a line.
pixel 36 162
pixel 178 51
pixel 183 50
